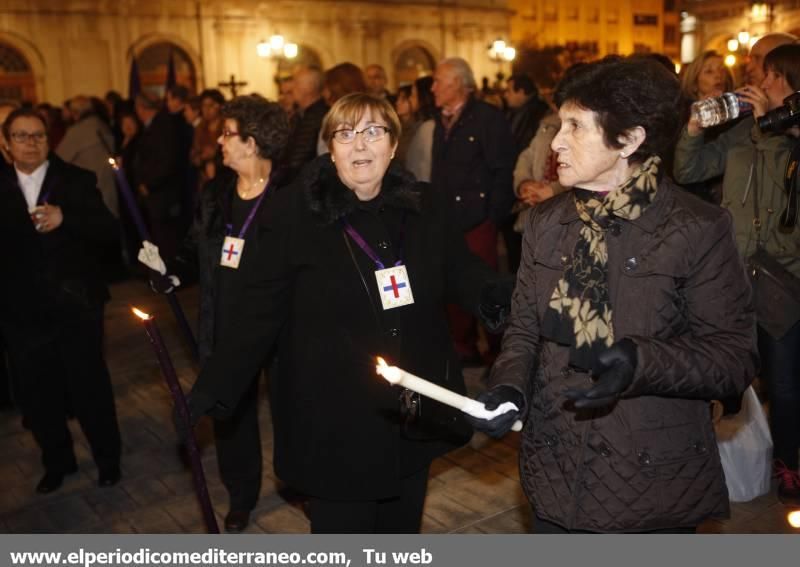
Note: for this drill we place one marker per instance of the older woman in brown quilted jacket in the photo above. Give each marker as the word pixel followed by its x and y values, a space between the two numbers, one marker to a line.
pixel 632 310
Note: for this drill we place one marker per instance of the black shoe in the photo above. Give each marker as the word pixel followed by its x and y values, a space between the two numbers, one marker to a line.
pixel 237 521
pixel 52 480
pixel 108 477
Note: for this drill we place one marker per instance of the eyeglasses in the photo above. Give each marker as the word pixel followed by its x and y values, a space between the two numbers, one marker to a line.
pixel 22 137
pixel 370 133
pixel 228 133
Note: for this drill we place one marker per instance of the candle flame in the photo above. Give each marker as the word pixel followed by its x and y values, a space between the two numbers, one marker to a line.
pixel 140 314
pixel 794 518
pixel 391 373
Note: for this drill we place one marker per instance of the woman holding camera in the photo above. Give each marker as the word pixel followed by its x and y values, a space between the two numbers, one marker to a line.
pixel 754 162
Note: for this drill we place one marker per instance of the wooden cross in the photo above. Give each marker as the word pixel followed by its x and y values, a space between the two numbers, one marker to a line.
pixel 233 84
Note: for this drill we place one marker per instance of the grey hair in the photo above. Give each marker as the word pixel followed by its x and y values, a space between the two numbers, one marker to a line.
pixel 462 70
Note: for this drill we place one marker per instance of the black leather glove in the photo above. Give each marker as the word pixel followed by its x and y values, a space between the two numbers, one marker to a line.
pixel 614 372
pixel 492 399
pixel 495 304
pixel 198 404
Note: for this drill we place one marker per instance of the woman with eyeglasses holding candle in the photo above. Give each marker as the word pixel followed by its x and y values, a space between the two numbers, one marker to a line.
pixel 359 261
pixel 222 248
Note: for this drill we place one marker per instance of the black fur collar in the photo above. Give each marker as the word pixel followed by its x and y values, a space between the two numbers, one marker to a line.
pixel 330 199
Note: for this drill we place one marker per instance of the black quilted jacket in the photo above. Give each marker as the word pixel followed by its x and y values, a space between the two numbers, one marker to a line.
pixel 679 291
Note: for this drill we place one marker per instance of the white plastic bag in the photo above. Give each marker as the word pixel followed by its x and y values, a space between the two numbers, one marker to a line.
pixel 745 447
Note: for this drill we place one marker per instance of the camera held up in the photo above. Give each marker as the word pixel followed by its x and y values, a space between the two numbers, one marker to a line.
pixel 783 117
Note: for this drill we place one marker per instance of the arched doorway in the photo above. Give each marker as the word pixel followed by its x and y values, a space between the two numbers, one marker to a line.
pixel 153 63
pixel 306 57
pixel 16 76
pixel 412 63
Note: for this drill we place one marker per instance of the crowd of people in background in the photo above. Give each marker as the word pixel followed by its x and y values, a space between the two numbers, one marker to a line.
pixel 496 155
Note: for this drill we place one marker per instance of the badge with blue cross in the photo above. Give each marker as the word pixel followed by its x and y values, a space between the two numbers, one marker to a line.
pixel 232 252
pixel 394 287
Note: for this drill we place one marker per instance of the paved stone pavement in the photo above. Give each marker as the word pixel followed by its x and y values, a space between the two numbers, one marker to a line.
pixel 472 490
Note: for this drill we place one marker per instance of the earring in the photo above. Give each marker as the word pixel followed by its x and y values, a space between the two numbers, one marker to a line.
pixel 391 156
pixel 333 159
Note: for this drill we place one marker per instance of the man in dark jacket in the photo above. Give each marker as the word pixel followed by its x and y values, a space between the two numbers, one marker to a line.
pixel 175 100
pixel 525 111
pixel 311 109
pixel 53 300
pixel 159 171
pixel 473 161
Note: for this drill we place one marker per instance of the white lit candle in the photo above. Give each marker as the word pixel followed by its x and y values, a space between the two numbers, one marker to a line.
pixel 400 377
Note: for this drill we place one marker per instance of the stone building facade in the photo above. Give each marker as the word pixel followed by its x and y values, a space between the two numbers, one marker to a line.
pixel 710 24
pixel 602 27
pixel 50 51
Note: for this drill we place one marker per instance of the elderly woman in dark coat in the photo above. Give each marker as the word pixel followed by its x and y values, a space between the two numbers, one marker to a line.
pixel 359 261
pixel 632 310
pixel 254 135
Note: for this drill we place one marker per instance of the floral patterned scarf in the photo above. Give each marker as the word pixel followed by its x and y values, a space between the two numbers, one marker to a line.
pixel 580 312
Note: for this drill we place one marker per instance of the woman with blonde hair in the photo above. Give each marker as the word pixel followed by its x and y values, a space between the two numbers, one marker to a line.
pixel 358 260
pixel 706 76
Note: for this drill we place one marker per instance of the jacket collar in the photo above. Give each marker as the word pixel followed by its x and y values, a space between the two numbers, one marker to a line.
pixel 329 199
pixel 648 222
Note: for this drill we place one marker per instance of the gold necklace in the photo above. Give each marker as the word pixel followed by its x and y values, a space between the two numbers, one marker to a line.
pixel 246 192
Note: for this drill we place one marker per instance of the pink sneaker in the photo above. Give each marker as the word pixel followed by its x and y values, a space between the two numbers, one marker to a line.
pixel 788 484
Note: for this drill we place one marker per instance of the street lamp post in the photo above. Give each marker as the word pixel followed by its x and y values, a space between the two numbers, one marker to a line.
pixel 499 52
pixel 276 48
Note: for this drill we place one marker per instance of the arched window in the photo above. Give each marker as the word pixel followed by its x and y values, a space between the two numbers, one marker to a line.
pixel 153 63
pixel 413 63
pixel 306 57
pixel 16 76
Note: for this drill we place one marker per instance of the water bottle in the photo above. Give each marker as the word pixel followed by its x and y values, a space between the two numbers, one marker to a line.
pixel 718 110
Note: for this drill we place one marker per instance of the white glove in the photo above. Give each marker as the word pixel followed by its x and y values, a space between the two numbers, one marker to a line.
pixel 148 255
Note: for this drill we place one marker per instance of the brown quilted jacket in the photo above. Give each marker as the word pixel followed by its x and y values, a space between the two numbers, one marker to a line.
pixel 679 291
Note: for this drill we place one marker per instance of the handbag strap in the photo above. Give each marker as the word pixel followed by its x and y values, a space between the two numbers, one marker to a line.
pixel 756 216
pixel 789 216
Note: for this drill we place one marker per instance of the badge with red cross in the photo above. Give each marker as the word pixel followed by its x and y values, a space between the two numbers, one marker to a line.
pixel 232 252
pixel 394 287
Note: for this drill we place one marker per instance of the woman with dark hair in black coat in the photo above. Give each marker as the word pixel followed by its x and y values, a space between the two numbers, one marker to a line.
pixel 254 135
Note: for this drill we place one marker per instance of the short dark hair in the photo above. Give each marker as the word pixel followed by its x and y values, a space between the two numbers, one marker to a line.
pixel 623 93
pixel 178 91
pixel 343 79
pixel 214 94
pixel 194 102
pixel 262 120
pixel 24 112
pixel 427 104
pixel 525 83
pixel 785 61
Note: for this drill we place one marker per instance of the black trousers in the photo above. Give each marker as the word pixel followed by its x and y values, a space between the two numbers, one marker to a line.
pixel 6 398
pixel 71 372
pixel 399 515
pixel 238 442
pixel 541 526
pixel 780 366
